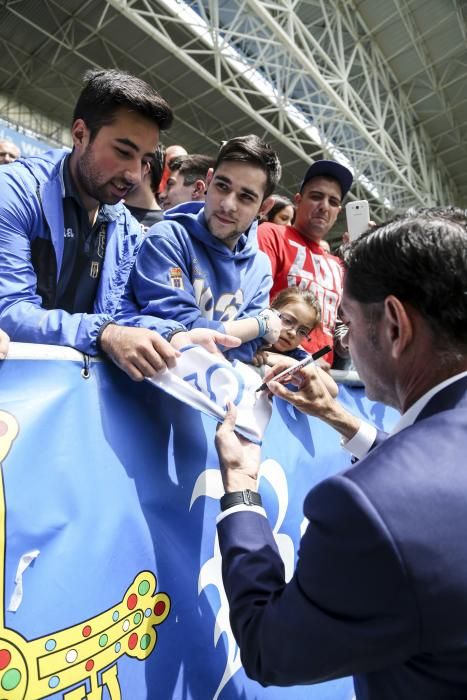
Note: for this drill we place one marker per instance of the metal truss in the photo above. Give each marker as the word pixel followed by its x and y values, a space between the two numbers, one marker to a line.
pixel 331 90
pixel 32 122
pixel 437 83
pixel 308 73
pixel 78 38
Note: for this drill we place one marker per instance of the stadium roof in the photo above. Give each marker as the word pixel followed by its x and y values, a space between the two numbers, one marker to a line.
pixel 378 84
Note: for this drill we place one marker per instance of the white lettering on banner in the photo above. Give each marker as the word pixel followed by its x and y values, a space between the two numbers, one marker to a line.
pixel 101 656
pixel 324 279
pixel 209 484
pixel 229 382
pixel 31 147
pixel 28 149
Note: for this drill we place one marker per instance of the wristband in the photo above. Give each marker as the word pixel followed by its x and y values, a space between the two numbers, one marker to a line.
pixel 247 497
pixel 101 330
pixel 262 326
pixel 264 322
pixel 170 335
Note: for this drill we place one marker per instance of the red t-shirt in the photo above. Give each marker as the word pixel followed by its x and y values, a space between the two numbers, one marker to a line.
pixel 298 262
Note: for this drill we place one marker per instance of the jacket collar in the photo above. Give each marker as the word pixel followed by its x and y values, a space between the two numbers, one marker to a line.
pixel 428 403
pixel 452 396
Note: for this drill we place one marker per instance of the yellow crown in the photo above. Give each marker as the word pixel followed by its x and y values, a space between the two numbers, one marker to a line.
pixel 86 652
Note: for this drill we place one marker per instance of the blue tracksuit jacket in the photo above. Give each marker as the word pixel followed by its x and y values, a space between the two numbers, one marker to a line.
pixel 31 193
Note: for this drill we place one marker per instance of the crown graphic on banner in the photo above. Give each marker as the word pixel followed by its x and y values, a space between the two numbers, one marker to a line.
pixel 85 653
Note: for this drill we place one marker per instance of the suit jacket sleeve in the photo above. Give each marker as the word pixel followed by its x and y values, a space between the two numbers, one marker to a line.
pixel 347 609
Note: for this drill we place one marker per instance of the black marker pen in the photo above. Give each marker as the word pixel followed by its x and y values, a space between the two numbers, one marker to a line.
pixel 290 371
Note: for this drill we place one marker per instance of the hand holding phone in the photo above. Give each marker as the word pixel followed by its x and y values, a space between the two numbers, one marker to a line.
pixel 358 218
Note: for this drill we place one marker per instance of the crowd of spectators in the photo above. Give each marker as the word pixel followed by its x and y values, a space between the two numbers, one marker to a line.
pixel 124 247
pixel 187 180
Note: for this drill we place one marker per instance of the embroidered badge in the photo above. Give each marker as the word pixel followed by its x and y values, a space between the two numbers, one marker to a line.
pixel 176 279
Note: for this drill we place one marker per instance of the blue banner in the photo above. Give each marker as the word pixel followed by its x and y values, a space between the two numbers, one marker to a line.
pixel 28 145
pixel 110 568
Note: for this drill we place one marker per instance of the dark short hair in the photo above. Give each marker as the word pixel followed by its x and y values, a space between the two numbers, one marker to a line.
pixel 250 149
pixel 192 167
pixel 279 204
pixel 106 91
pixel 420 258
pixel 156 166
pixel 451 212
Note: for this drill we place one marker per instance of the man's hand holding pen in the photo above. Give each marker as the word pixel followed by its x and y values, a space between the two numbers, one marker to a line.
pixel 316 388
pixel 293 367
pixel 315 396
pixel 239 458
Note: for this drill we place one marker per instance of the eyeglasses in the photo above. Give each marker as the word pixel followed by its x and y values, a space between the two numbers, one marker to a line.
pixel 289 323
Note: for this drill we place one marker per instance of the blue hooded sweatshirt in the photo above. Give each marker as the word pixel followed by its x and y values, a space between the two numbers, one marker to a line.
pixel 183 273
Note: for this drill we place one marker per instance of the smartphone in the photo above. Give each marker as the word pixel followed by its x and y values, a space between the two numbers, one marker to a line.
pixel 358 218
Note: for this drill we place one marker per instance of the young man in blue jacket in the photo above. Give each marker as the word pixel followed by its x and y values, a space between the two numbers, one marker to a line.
pixel 201 266
pixel 67 243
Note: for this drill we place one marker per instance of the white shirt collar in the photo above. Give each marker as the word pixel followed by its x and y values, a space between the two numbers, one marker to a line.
pixel 409 417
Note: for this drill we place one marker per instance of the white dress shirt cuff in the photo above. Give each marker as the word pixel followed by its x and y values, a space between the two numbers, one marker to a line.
pixel 238 509
pixel 362 441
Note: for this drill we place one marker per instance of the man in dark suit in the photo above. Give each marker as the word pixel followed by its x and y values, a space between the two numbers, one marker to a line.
pixel 380 587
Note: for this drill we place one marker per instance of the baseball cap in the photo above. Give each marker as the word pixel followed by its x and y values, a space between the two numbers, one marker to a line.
pixel 330 167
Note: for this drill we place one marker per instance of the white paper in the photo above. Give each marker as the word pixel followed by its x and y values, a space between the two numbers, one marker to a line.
pixel 206 382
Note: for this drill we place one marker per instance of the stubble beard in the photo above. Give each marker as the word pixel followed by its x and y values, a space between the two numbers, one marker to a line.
pixel 229 239
pixel 88 181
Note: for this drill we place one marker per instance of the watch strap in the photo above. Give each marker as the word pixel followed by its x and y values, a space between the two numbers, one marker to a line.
pixel 235 498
